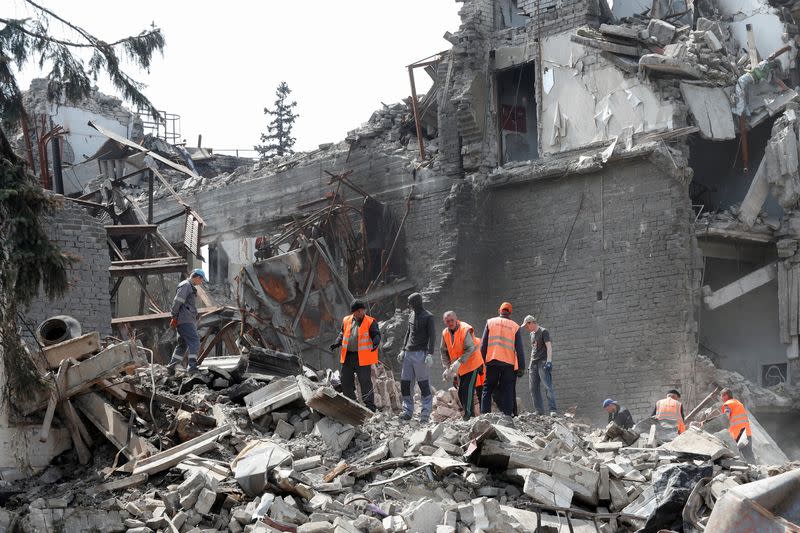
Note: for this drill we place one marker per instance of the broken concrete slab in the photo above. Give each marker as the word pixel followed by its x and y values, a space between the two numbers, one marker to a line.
pixel 254 463
pixel 333 404
pixel 423 516
pixel 711 110
pixel 171 457
pixel 658 63
pixel 660 31
pixel 696 442
pixel 541 487
pixel 337 436
pixel 277 394
pixel 740 287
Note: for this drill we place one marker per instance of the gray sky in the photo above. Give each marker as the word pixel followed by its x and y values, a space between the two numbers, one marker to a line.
pixel 223 60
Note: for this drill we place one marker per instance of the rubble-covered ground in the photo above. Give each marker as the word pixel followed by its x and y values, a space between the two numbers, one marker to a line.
pixel 234 450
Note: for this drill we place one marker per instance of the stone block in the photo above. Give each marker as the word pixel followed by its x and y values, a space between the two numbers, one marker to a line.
pixel 284 430
pixel 316 527
pixel 661 32
pixel 205 500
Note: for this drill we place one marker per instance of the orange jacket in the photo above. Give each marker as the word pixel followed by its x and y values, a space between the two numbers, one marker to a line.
pixel 737 418
pixel 366 354
pixel 502 340
pixel 669 409
pixel 455 348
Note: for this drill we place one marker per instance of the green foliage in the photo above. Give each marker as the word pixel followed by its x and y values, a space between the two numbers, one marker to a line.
pixel 279 140
pixel 28 260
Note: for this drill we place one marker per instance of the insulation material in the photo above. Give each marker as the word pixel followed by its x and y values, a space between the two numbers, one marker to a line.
pixel 601 105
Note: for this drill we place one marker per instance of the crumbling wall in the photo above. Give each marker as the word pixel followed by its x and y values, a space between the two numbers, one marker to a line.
pixel 585 99
pixel 619 304
pixel 83 237
pixel 79 140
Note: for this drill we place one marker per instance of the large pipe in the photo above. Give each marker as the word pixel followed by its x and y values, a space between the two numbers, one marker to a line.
pixel 58 329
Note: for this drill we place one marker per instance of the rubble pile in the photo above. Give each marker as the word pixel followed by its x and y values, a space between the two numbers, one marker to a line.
pixel 233 449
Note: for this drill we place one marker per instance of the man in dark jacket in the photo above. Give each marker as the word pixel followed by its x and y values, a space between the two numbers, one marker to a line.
pixel 417 358
pixel 618 414
pixel 184 320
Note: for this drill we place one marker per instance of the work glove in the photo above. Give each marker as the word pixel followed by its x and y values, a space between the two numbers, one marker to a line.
pixel 334 345
pixel 520 372
pixel 451 370
pixel 173 323
pixel 401 356
pixel 548 365
pixel 429 360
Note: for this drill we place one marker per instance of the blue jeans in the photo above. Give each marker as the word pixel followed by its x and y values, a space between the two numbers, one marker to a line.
pixel 539 373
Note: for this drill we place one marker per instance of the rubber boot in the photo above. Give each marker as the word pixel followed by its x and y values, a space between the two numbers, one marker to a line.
pixel 427 405
pixel 408 408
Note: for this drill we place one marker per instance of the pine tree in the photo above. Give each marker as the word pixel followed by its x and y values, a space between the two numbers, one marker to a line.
pixel 28 259
pixel 278 139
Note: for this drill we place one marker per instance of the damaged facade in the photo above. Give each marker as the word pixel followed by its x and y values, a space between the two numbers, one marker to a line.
pixel 628 174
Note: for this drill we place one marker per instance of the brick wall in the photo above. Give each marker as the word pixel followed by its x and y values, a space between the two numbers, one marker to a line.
pixel 83 237
pixel 634 342
pixel 555 16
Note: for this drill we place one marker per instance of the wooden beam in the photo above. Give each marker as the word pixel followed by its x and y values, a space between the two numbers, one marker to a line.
pixel 173 456
pixel 77 348
pixel 112 424
pixel 82 376
pixel 119 484
pixel 145 270
pixel 142 319
pixel 741 286
pixel 121 230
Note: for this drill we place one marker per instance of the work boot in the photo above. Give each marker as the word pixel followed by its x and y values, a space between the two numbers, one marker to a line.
pixel 408 407
pixel 171 366
pixel 424 419
pixel 427 406
pixel 553 413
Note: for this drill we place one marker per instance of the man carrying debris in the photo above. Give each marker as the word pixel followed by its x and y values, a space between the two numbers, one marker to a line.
pixel 669 412
pixel 618 414
pixel 184 320
pixel 738 424
pixel 461 358
pixel 417 358
pixel 359 340
pixel 504 355
pixel 541 368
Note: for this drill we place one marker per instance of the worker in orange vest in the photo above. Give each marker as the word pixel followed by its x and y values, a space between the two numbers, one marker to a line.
pixel 461 357
pixel 504 356
pixel 738 424
pixel 358 341
pixel 669 412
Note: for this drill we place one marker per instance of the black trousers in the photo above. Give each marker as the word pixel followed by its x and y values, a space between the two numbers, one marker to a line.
pixel 500 381
pixel 351 370
pixel 466 392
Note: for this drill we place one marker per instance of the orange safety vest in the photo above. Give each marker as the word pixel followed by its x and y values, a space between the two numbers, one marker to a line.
pixel 366 355
pixel 455 348
pixel 669 409
pixel 502 339
pixel 737 418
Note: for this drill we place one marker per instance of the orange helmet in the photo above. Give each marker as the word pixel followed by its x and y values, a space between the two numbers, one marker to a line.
pixel 505 306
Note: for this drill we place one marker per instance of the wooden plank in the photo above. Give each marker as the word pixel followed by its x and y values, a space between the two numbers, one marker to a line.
pixel 77 348
pixel 146 270
pixel 84 455
pixel 139 320
pixel 118 484
pixel 741 286
pixel 110 389
pixel 82 376
pixel 70 411
pixel 783 303
pixel 52 403
pixel 112 424
pixel 130 229
pixel 149 260
pixel 173 456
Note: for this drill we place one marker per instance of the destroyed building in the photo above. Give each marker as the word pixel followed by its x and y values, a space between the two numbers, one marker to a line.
pixel 603 167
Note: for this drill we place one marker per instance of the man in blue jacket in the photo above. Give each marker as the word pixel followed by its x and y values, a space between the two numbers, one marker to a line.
pixel 184 320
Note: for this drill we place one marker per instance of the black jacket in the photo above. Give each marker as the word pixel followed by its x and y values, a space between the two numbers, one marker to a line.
pixel 421 334
pixel 622 417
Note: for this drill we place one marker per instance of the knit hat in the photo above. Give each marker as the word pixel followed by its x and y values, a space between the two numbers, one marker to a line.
pixel 356 305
